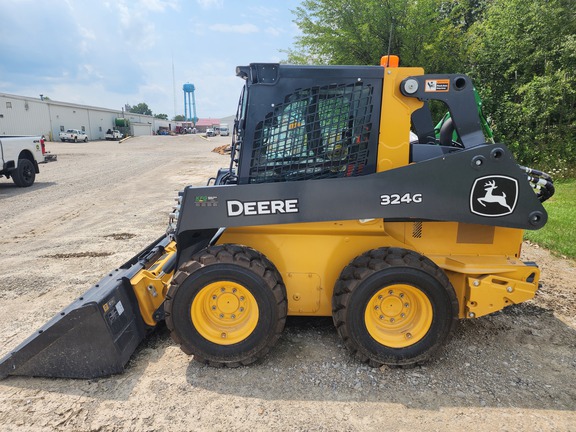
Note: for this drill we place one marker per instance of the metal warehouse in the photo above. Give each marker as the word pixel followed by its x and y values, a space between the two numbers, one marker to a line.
pixel 21 115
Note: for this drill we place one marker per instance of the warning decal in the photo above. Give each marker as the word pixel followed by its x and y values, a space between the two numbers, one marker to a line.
pixel 441 85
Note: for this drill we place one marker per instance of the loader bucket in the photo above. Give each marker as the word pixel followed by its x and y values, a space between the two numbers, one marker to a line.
pixel 92 337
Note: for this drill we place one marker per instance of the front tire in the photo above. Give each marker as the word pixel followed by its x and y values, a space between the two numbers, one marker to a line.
pixel 24 174
pixel 226 306
pixel 394 306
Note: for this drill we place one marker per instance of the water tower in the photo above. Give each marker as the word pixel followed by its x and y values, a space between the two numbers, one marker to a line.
pixel 189 103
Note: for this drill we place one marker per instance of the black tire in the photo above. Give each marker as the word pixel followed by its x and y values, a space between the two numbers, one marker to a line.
pixel 62 139
pixel 394 306
pixel 86 139
pixel 75 139
pixel 24 174
pixel 230 289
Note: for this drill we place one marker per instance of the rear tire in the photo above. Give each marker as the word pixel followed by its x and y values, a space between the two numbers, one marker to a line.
pixel 226 306
pixel 394 306
pixel 24 174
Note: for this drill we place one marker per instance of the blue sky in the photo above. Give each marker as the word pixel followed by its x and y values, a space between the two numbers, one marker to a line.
pixel 109 53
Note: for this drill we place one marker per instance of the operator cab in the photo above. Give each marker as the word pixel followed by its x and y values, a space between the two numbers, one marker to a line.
pixel 316 122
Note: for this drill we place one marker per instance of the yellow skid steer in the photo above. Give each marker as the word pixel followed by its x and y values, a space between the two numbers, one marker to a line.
pixel 341 199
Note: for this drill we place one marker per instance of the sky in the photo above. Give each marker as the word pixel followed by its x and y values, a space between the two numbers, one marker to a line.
pixel 111 53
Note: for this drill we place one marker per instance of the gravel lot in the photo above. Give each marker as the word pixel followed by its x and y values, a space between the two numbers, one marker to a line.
pixel 102 202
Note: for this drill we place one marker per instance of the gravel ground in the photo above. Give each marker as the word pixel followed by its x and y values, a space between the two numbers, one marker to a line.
pixel 102 202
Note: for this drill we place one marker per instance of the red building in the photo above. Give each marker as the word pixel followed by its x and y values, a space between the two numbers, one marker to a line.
pixel 204 123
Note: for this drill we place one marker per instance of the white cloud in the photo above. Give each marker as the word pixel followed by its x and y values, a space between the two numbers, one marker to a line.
pixel 114 52
pixel 137 29
pixel 234 28
pixel 88 72
pixel 86 33
pixel 208 4
pixel 263 11
pixel 125 15
pixel 196 28
pixel 159 5
pixel 273 31
pixel 86 37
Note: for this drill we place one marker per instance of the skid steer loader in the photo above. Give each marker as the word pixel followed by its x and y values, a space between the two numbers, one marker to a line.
pixel 327 208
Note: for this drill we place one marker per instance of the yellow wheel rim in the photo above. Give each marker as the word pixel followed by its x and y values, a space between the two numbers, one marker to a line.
pixel 224 312
pixel 398 316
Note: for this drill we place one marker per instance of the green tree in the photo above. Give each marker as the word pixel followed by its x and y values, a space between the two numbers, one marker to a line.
pixel 141 108
pixel 179 117
pixel 434 33
pixel 426 33
pixel 523 60
pixel 161 116
pixel 342 31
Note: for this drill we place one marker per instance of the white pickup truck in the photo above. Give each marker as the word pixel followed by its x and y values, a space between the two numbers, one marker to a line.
pixel 74 135
pixel 20 156
pixel 114 134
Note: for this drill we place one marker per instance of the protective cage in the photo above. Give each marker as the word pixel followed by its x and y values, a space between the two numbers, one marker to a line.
pixel 308 122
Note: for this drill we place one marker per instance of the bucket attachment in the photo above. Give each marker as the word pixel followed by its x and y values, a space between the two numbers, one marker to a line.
pixel 95 335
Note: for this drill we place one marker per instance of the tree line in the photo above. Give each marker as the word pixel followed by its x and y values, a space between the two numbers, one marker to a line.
pixel 521 55
pixel 143 108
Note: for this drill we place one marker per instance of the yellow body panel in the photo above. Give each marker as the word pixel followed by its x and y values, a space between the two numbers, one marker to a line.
pixel 393 142
pixel 311 256
pixel 151 285
pixel 490 293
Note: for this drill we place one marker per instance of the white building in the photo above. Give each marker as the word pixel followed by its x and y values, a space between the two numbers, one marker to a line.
pixel 21 115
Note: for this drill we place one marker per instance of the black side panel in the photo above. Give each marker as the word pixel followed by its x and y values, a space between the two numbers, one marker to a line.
pixel 423 124
pixel 457 92
pixel 481 185
pixel 191 241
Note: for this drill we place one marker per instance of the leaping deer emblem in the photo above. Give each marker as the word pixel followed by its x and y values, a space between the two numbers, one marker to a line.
pixel 490 198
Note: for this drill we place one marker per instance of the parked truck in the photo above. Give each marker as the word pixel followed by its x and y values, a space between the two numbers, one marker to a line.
pixel 74 135
pixel 114 135
pixel 20 156
pixel 224 130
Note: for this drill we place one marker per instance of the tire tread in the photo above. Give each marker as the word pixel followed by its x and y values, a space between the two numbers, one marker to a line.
pixel 368 264
pixel 229 254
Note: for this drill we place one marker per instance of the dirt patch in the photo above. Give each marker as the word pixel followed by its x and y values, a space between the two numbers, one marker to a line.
pixel 513 370
pixel 78 255
pixel 120 236
pixel 223 150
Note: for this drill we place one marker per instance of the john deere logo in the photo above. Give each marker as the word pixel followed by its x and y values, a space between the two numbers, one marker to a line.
pixel 494 196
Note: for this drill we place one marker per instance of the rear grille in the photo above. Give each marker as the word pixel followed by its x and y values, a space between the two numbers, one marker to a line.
pixel 417 230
